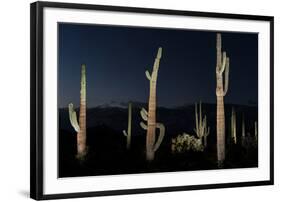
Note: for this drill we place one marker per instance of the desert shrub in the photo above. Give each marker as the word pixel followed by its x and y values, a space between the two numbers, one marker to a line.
pixel 186 142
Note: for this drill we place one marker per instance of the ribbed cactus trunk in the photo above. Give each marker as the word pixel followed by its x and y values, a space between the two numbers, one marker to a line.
pixel 150 116
pixel 220 131
pixel 81 127
pixel 221 90
pixel 151 122
pixel 81 136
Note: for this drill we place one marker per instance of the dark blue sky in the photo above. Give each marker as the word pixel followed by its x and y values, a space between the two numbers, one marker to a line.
pixel 116 59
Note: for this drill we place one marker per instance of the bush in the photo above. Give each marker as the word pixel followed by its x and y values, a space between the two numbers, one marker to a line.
pixel 186 142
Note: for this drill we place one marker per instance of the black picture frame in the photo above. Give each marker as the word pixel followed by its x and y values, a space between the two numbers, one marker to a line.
pixel 36 99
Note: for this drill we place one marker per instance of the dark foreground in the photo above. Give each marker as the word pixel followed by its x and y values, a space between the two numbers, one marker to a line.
pixel 107 155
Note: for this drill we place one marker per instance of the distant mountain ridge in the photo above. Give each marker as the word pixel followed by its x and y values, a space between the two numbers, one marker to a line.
pixel 176 120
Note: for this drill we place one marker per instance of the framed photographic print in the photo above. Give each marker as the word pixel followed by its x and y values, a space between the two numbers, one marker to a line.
pixel 135 100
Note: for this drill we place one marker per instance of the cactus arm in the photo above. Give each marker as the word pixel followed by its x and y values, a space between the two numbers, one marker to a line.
pixel 143 125
pixel 160 137
pixel 143 113
pixel 226 76
pixel 147 74
pixel 222 67
pixel 73 118
pixel 125 133
pixel 144 116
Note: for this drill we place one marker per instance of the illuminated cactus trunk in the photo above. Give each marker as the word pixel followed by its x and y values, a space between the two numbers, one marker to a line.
pixel 150 116
pixel 129 130
pixel 221 90
pixel 81 128
pixel 233 126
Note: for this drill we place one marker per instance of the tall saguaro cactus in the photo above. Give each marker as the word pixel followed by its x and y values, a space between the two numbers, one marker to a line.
pixel 201 130
pixel 233 126
pixel 222 70
pixel 129 130
pixel 151 144
pixel 81 128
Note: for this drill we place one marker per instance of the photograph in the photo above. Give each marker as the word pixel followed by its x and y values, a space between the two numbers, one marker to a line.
pixel 137 99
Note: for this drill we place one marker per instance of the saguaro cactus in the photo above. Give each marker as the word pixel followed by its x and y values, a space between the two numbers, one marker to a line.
pixel 150 116
pixel 233 126
pixel 222 67
pixel 81 128
pixel 201 130
pixel 128 132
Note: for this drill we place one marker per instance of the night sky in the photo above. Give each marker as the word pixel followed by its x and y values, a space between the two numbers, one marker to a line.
pixel 116 59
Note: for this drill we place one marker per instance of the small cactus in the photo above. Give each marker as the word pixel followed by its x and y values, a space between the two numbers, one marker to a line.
pixel 127 133
pixel 201 130
pixel 249 141
pixel 233 126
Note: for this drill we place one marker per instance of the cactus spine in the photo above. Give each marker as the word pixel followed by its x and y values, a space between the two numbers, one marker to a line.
pixel 233 126
pixel 81 128
pixel 128 132
pixel 151 144
pixel 201 130
pixel 221 90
